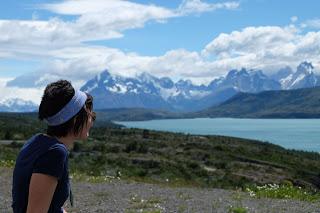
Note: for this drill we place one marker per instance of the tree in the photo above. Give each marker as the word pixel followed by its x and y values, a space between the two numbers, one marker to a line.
pixel 8 135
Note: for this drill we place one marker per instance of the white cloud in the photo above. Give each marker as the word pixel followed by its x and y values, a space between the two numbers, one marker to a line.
pixel 82 64
pixel 59 44
pixel 268 48
pixel 308 47
pixel 33 94
pixel 294 19
pixel 93 20
pixel 198 6
pixel 313 23
pixel 259 40
pixel 35 16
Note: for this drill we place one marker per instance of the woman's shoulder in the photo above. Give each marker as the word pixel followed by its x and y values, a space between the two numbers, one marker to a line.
pixel 53 144
pixel 41 144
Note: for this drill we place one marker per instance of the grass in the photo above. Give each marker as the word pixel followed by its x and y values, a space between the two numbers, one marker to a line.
pixel 183 196
pixel 285 191
pixel 76 176
pixel 7 163
pixel 178 160
pixel 237 210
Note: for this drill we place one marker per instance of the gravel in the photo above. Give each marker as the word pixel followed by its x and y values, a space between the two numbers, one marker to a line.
pixel 124 196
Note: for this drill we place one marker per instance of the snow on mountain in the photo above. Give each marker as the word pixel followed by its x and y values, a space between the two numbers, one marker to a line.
pixel 17 105
pixel 114 91
pixel 304 77
pixel 282 73
pixel 148 91
pixel 145 90
pixel 245 81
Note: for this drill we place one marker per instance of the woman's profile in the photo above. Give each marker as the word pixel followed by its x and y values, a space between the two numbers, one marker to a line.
pixel 41 176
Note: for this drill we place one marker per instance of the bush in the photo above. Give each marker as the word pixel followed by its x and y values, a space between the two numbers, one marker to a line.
pixel 77 147
pixel 15 144
pixel 237 210
pixel 132 146
pixel 283 192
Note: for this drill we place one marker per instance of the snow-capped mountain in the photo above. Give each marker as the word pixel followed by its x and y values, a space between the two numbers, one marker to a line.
pixel 17 105
pixel 304 77
pixel 148 91
pixel 282 73
pixel 114 91
pixel 243 80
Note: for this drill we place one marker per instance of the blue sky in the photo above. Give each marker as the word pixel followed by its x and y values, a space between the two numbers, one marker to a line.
pixel 194 39
pixel 191 32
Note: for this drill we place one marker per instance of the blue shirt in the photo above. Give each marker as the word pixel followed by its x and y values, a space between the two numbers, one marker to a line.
pixel 46 155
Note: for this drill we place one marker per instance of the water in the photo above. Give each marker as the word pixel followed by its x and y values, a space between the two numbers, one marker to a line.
pixel 301 134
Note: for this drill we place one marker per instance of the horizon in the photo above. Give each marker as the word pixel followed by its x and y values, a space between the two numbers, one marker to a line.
pixel 42 41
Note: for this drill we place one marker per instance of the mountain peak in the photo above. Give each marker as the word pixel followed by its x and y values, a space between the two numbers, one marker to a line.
pixel 166 82
pixel 282 73
pixel 182 82
pixel 232 74
pixel 146 77
pixel 305 67
pixel 104 75
pixel 243 71
pixel 148 91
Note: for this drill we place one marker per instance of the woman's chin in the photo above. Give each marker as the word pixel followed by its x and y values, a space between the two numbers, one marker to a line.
pixel 84 136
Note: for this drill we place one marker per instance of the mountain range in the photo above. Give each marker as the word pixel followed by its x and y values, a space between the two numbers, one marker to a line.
pixel 17 105
pixel 296 103
pixel 150 92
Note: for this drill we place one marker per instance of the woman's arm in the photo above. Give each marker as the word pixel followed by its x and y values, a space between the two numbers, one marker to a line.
pixel 41 191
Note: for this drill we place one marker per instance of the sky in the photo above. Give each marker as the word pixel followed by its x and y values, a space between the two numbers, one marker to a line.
pixel 43 41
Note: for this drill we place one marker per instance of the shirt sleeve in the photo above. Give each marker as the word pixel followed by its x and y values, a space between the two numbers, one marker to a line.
pixel 51 162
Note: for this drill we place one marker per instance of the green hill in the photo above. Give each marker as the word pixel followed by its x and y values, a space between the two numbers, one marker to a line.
pixel 177 159
pixel 135 114
pixel 300 103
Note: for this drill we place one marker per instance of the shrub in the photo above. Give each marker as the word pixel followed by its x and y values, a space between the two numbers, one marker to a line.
pixel 132 146
pixel 283 192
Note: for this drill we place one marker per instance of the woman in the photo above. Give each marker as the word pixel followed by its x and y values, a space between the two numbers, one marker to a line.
pixel 40 177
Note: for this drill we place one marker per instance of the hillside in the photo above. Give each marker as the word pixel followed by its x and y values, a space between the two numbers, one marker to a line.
pixel 136 114
pixel 182 166
pixel 299 103
pixel 214 161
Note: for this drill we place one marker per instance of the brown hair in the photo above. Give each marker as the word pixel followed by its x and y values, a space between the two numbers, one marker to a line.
pixel 56 96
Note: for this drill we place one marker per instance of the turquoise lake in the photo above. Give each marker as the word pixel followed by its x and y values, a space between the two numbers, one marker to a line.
pixel 301 134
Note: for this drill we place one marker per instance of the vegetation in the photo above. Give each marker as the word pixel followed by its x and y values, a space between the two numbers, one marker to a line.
pixel 283 191
pixel 136 114
pixel 237 210
pixel 180 159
